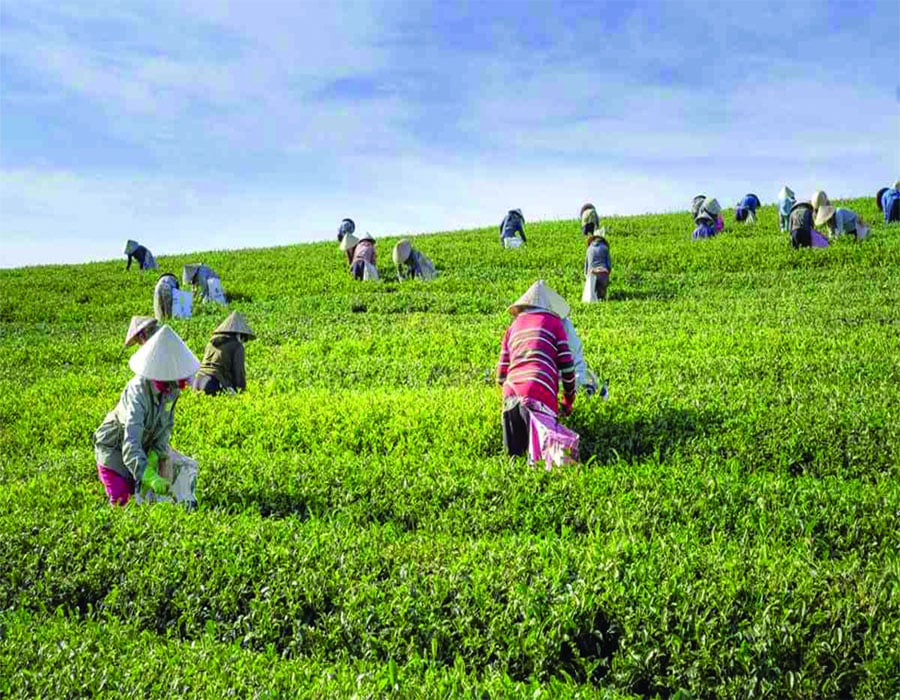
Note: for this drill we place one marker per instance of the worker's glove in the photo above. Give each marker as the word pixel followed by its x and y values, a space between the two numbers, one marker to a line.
pixel 151 479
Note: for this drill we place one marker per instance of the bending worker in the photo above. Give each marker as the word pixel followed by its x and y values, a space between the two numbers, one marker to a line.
pixel 841 222
pixel 512 229
pixel 889 202
pixel 144 257
pixel 590 219
pixel 411 263
pixel 597 266
pixel 534 358
pixel 205 282
pixel 785 202
pixel 134 436
pixel 162 296
pixel 362 265
pixel 745 210
pixel 222 368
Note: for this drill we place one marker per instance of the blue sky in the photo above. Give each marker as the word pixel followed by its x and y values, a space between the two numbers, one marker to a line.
pixel 215 124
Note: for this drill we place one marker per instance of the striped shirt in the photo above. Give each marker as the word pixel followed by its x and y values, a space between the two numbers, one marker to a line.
pixel 535 352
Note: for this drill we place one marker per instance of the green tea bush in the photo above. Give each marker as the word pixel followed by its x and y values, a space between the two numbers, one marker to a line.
pixel 730 531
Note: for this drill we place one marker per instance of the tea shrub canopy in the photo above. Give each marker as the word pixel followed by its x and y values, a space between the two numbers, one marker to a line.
pixel 731 531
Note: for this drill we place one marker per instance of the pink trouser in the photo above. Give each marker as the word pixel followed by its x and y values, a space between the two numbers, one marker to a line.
pixel 118 487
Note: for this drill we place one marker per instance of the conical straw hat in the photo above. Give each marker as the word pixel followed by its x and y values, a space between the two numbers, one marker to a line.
pixel 401 252
pixel 366 237
pixel 818 199
pixel 235 323
pixel 540 296
pixel 825 212
pixel 349 241
pixel 785 193
pixel 138 324
pixel 164 358
pixel 711 205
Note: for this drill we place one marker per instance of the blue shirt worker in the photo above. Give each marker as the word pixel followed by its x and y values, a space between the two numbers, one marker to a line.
pixel 512 229
pixel 745 210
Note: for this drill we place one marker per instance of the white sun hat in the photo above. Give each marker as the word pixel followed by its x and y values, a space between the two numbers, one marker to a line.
pixel 540 296
pixel 825 212
pixel 366 237
pixel 819 198
pixel 164 358
pixel 138 324
pixel 711 205
pixel 401 251
pixel 349 241
pixel 786 193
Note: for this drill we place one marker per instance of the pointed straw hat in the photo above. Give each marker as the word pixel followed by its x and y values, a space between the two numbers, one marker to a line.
pixel 138 324
pixel 235 323
pixel 711 206
pixel 366 237
pixel 401 252
pixel 164 358
pixel 785 193
pixel 540 296
pixel 818 199
pixel 349 241
pixel 826 211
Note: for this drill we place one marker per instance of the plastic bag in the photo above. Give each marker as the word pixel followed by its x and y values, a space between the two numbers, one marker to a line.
pixel 549 442
pixel 370 272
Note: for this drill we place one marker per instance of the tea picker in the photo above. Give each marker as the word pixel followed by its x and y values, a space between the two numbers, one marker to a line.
pixel 144 257
pixel 597 266
pixel 785 202
pixel 131 446
pixel 745 210
pixel 888 201
pixel 411 263
pixel 363 257
pixel 512 229
pixel 841 222
pixel 590 219
pixel 347 227
pixel 163 295
pixel 535 357
pixel 205 282
pixel 222 368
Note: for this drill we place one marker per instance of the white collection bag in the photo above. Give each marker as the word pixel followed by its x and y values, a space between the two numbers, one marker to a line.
pixel 589 293
pixel 513 242
pixel 183 472
pixel 182 303
pixel 215 292
pixel 370 272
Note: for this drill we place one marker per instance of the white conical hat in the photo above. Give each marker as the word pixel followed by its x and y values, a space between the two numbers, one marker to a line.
pixel 785 193
pixel 401 251
pixel 366 237
pixel 712 206
pixel 825 212
pixel 164 357
pixel 138 324
pixel 349 241
pixel 818 199
pixel 235 323
pixel 540 296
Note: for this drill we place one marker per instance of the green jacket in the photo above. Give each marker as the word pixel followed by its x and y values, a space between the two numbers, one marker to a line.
pixel 140 422
pixel 224 359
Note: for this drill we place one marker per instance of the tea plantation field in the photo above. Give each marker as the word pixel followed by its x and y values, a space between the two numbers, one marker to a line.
pixel 732 531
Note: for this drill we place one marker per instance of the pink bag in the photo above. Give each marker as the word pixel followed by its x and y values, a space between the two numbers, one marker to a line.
pixel 550 442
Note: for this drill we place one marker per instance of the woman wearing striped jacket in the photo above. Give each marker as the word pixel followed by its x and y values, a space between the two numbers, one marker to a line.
pixel 534 357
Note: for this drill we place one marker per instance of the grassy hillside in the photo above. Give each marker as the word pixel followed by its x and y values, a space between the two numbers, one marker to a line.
pixel 732 531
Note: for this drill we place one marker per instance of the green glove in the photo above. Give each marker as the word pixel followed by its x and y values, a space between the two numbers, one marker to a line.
pixel 151 479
